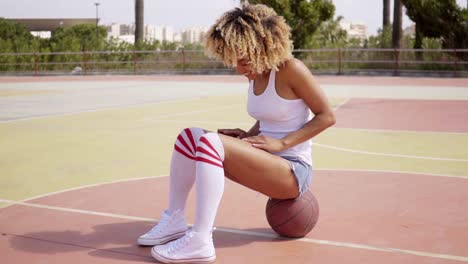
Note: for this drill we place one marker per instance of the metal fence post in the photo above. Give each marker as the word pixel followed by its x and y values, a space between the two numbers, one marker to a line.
pixel 85 63
pixel 339 62
pixel 455 61
pixel 183 59
pixel 397 62
pixel 35 63
pixel 135 61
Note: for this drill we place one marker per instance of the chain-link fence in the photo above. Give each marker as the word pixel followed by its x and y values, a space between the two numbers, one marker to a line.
pixel 398 62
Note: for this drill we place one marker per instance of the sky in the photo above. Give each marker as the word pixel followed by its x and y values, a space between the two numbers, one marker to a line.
pixel 176 13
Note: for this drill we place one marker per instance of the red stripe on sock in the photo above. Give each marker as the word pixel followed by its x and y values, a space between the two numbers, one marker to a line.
pixel 181 151
pixel 204 140
pixel 190 136
pixel 182 140
pixel 209 162
pixel 202 150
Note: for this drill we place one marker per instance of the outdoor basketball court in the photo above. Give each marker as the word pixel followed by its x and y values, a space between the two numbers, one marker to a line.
pixel 84 164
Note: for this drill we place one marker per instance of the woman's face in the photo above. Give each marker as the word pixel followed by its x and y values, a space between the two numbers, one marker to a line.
pixel 244 67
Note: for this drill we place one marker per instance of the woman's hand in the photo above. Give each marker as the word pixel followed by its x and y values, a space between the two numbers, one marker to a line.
pixel 236 132
pixel 266 143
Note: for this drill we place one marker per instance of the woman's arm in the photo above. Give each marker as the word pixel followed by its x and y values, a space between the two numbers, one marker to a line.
pixel 239 133
pixel 305 87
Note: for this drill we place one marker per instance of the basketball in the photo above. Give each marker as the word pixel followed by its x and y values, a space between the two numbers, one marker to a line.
pixel 293 217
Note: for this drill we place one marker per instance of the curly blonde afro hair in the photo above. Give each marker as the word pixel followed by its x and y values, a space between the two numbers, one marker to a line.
pixel 253 32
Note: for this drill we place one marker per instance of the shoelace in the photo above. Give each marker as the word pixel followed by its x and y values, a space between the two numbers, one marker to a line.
pixel 163 223
pixel 179 243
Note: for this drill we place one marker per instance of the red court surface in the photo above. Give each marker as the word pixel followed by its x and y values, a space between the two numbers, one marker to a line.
pixel 415 115
pixel 387 212
pixel 365 217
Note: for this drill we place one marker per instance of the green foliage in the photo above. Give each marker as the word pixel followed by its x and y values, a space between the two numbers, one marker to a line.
pixel 304 17
pixel 440 19
pixel 383 39
pixel 13 30
pixel 431 43
pixel 330 35
pixel 84 37
pixel 14 37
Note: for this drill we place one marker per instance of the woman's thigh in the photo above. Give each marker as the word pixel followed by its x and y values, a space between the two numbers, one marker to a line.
pixel 258 169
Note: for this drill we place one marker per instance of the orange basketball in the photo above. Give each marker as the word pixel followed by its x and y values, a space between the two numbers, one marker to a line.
pixel 293 217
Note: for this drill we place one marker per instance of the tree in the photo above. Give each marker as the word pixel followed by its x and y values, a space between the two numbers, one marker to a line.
pixel 81 37
pixel 382 40
pixel 397 32
pixel 386 14
pixel 439 19
pixel 304 17
pixel 139 21
pixel 330 35
pixel 14 37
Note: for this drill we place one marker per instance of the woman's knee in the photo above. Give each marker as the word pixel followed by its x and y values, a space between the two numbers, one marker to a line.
pixel 210 144
pixel 191 134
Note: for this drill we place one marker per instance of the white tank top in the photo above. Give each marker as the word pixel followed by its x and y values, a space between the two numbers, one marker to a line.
pixel 278 117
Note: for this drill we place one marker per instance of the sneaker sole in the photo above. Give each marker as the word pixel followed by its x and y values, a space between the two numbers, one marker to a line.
pixel 190 260
pixel 160 241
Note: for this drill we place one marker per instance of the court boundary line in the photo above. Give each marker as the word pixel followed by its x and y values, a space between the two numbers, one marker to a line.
pixel 164 176
pixel 345 101
pixel 400 130
pixel 395 172
pixel 120 107
pixel 253 233
pixel 91 186
pixel 463 177
pixel 364 152
pixel 117 107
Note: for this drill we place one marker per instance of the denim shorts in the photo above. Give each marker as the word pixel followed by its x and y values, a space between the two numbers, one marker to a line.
pixel 302 171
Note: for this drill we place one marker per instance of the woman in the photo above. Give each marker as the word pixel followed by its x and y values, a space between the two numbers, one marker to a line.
pixel 273 157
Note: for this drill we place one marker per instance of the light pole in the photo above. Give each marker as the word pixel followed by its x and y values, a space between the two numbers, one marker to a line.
pixel 97 17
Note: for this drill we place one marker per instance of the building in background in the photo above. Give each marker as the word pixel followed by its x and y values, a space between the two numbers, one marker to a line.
pixel 193 34
pixel 42 34
pixel 159 33
pixel 355 30
pixel 43 27
pixel 125 32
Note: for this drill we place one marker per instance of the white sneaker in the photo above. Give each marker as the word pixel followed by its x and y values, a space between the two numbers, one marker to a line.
pixel 169 227
pixel 192 248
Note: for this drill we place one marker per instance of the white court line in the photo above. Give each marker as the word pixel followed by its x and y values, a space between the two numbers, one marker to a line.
pixel 325 145
pixel 401 131
pixel 204 122
pixel 398 172
pixel 163 176
pixel 341 104
pixel 386 154
pixel 252 233
pixel 117 107
pixel 387 130
pixel 90 186
pixel 155 119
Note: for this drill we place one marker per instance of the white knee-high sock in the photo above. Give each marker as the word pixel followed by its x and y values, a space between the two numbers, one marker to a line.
pixel 209 181
pixel 182 175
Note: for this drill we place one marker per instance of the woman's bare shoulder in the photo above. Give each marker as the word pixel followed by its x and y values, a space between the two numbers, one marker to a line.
pixel 294 67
